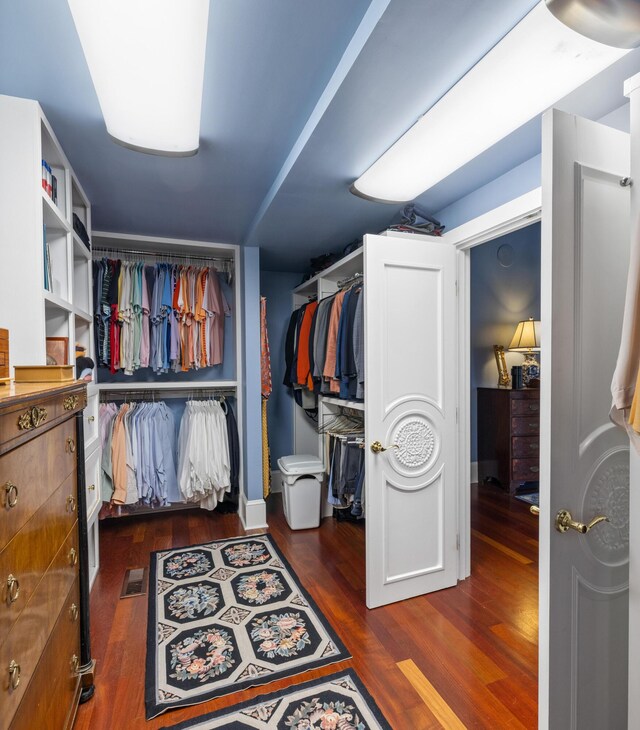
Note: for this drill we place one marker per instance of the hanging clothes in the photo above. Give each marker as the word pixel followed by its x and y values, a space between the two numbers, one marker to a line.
pixel 163 316
pixel 266 386
pixel 138 460
pixel 324 346
pixel 625 408
pixel 204 467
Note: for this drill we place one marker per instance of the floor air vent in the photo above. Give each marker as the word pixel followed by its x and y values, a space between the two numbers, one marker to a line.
pixel 135 583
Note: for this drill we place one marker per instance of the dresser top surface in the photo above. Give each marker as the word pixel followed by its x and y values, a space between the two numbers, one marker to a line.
pixel 16 392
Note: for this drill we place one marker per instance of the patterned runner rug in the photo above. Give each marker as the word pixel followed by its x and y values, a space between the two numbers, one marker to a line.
pixel 227 615
pixel 339 701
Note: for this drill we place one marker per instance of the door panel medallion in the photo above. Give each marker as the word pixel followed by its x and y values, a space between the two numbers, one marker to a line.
pixel 416 445
pixel 608 494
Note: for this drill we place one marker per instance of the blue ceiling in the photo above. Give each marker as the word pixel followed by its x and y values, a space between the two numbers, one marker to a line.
pixel 300 98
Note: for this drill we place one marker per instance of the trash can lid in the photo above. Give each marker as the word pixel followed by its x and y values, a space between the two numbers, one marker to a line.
pixel 300 464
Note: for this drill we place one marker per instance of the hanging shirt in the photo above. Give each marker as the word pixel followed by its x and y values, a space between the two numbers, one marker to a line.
pixel 265 357
pixel 332 344
pixel 624 386
pixel 303 365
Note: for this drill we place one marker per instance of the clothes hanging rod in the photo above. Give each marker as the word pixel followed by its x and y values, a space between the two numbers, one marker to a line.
pixel 343 282
pixel 160 254
pixel 160 393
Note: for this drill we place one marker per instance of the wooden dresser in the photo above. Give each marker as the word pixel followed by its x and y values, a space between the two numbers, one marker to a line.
pixel 508 436
pixel 41 609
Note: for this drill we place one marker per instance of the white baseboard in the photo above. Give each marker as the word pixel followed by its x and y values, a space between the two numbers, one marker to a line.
pixel 474 472
pixel 276 482
pixel 253 513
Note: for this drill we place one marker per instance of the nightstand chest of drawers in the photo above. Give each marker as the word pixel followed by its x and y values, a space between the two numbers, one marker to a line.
pixel 508 436
pixel 41 549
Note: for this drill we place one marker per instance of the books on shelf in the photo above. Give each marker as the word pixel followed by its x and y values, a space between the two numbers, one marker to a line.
pixel 49 182
pixel 47 260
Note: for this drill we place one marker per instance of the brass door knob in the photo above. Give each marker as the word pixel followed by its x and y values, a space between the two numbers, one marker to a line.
pixel 14 674
pixel 13 588
pixel 565 522
pixel 11 493
pixel 73 556
pixel 71 446
pixel 91 487
pixel 71 503
pixel 73 612
pixel 535 510
pixel 378 448
pixel 91 419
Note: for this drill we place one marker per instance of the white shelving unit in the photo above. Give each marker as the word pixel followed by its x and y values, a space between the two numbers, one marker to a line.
pixel 164 249
pixel 306 438
pixel 28 310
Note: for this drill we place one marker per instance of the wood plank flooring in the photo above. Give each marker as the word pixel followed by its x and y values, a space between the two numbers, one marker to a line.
pixel 465 657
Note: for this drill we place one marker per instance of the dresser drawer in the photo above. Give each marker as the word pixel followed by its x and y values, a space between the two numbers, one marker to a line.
pixel 92 483
pixel 525 406
pixel 523 447
pixel 525 470
pixel 525 425
pixel 29 420
pixel 27 556
pixel 27 638
pixel 31 473
pixel 90 419
pixel 51 699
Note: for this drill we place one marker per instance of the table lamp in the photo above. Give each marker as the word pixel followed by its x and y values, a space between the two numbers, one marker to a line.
pixel 527 340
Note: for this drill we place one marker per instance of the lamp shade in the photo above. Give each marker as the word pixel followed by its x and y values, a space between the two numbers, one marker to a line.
pixel 526 337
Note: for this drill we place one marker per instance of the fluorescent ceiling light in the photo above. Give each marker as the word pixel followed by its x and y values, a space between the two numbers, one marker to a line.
pixel 540 61
pixel 146 59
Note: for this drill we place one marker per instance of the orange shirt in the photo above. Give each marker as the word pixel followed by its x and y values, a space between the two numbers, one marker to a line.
pixel 303 344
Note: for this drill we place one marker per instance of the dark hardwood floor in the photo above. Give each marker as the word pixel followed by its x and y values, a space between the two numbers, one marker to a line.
pixel 462 657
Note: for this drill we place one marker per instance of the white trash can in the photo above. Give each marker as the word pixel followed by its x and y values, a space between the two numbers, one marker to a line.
pixel 302 476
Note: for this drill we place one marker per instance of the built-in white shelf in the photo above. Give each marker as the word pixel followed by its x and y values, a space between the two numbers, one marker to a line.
pixel 53 217
pixel 79 249
pixel 57 301
pixel 329 400
pixel 80 314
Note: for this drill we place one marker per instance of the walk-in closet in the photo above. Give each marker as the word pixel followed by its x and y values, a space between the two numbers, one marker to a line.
pixel 319 364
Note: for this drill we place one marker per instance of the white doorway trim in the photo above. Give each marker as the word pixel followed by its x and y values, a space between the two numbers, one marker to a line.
pixel 507 218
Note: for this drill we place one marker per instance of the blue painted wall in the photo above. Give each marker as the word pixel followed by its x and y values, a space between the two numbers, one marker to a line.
pixel 252 440
pixel 500 298
pixel 276 287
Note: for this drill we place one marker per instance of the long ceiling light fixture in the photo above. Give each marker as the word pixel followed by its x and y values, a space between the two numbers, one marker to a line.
pixel 146 59
pixel 531 68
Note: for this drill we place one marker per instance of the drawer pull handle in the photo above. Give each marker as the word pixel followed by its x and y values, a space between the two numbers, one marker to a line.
pixel 73 556
pixel 92 487
pixel 14 674
pixel 71 503
pixel 11 492
pixel 534 469
pixel 13 588
pixel 70 402
pixel 32 418
pixel 91 419
pixel 71 446
pixel 75 664
pixel 73 610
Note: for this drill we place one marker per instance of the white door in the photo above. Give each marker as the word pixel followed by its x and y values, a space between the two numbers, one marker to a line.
pixel 410 409
pixel 584 459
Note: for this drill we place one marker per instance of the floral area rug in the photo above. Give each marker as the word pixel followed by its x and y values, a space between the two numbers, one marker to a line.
pixel 228 615
pixel 337 702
